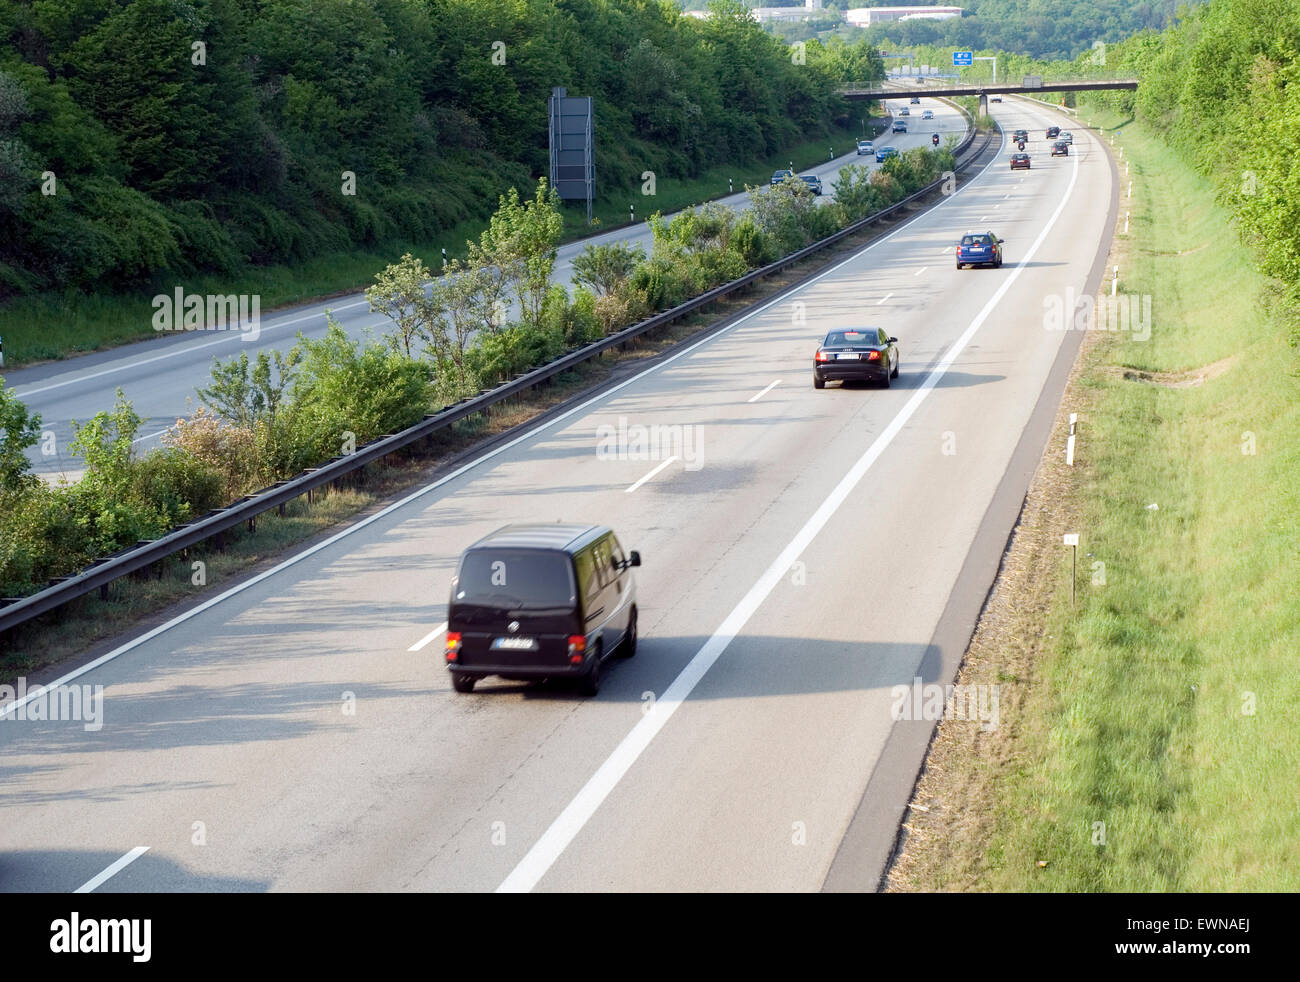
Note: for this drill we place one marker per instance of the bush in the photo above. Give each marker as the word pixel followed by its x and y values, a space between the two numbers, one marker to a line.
pixel 343 386
pixel 234 452
pixel 175 486
pixel 751 243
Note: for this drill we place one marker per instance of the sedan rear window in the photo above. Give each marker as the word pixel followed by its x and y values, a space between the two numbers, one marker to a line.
pixel 515 577
pixel 852 337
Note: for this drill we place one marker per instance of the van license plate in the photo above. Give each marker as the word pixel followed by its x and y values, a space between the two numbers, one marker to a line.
pixel 514 644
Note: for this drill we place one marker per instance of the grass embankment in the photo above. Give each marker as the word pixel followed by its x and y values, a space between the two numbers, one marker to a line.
pixel 1151 746
pixel 52 326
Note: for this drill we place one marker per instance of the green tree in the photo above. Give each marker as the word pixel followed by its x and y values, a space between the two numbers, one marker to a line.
pixel 20 430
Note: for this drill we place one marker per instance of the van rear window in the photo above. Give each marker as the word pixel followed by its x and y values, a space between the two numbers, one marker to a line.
pixel 516 577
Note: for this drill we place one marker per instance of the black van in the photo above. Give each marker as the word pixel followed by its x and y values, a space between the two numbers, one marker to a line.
pixel 541 601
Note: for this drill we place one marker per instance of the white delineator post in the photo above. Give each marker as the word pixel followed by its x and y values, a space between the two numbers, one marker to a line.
pixel 1069 443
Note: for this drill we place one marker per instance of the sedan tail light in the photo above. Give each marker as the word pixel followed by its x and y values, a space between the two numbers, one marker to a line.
pixel 823 356
pixel 873 356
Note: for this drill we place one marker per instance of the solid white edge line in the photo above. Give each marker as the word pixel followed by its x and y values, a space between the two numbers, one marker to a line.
pixel 543 854
pixel 496 451
pixel 181 350
pixel 428 637
pixel 883 299
pixel 651 474
pixel 113 870
pixel 921 270
pixel 755 398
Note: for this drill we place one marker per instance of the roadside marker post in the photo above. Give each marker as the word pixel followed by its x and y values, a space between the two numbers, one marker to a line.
pixel 1114 283
pixel 1069 443
pixel 1072 540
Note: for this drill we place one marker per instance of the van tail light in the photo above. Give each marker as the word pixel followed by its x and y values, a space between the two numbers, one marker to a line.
pixel 577 649
pixel 823 356
pixel 453 645
pixel 874 356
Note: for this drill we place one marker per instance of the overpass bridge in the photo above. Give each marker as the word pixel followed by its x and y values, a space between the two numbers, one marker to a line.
pixel 984 90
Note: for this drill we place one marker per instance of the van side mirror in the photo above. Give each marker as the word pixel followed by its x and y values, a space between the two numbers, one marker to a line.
pixel 635 559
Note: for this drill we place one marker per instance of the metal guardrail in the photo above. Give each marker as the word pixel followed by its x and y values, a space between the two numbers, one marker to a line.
pixel 104 571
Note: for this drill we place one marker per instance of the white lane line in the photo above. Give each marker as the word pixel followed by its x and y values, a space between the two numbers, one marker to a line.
pixel 651 474
pixel 140 439
pixel 764 392
pixel 921 270
pixel 883 299
pixel 1007 196
pixel 113 870
pixel 428 637
pixel 466 467
pixel 180 350
pixel 575 816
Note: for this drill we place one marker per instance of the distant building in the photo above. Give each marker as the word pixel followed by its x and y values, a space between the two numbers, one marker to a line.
pixel 873 16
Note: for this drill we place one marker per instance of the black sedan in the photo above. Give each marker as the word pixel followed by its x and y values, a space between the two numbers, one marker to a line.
pixel 1020 136
pixel 1060 149
pixel 814 183
pixel 865 354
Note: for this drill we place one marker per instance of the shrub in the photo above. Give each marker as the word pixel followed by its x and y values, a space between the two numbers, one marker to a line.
pixel 234 452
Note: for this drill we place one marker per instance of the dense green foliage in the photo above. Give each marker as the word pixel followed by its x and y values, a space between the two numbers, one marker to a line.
pixel 1050 29
pixel 1223 89
pixel 211 135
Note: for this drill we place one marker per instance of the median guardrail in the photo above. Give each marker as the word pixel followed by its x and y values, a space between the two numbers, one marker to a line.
pixel 101 573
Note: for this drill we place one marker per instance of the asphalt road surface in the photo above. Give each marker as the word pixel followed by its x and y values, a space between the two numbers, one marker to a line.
pixel 161 376
pixel 807 552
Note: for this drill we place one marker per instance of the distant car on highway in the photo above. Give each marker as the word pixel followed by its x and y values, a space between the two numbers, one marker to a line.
pixel 541 601
pixel 1067 137
pixel 979 249
pixel 884 153
pixel 865 146
pixel 814 183
pixel 928 114
pixel 1053 132
pixel 1020 161
pixel 900 126
pixel 781 175
pixel 1060 149
pixel 916 100
pixel 1019 136
pixel 904 111
pixel 866 354
pixel 995 98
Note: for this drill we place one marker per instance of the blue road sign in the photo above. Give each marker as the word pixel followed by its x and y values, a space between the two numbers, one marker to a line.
pixel 960 58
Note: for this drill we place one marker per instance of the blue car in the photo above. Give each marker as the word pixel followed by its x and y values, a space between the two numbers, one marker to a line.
pixel 979 249
pixel 884 153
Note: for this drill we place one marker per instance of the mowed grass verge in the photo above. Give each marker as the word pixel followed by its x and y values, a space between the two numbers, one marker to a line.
pixel 52 326
pixel 1153 745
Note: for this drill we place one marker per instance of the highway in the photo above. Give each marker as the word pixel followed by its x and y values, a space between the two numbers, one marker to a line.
pixel 299 731
pixel 161 375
